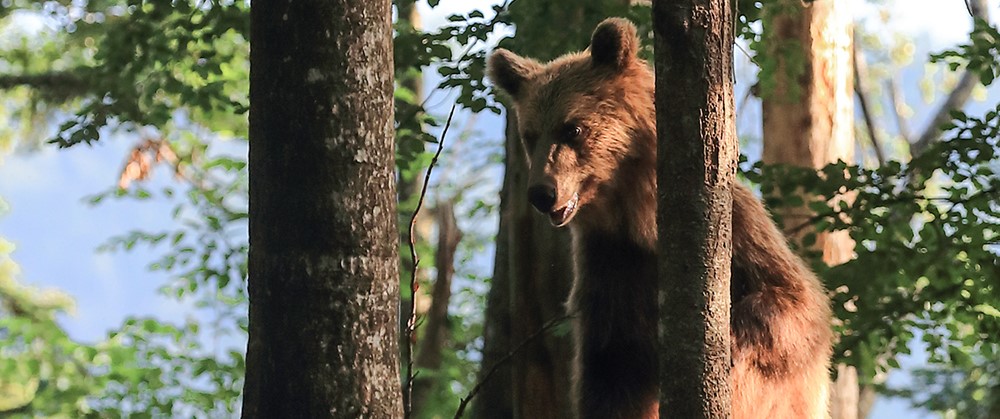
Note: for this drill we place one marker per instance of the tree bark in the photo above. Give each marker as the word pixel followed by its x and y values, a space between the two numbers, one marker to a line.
pixel 809 122
pixel 323 240
pixel 696 166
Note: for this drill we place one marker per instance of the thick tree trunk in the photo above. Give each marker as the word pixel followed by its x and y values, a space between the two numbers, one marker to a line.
pixel 323 240
pixel 696 166
pixel 809 122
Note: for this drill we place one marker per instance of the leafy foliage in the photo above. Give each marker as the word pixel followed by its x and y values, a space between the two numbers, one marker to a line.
pixel 926 237
pixel 43 372
pixel 957 392
pixel 176 74
pixel 981 55
pixel 156 58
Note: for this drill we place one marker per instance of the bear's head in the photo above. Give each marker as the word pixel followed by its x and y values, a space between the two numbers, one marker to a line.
pixel 583 119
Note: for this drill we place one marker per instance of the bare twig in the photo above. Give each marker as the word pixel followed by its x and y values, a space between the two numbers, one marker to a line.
pixel 898 102
pixel 411 323
pixel 741 108
pixel 955 100
pixel 861 89
pixel 506 358
pixel 958 96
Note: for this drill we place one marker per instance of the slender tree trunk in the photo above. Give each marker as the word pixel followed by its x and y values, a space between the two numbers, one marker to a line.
pixel 696 166
pixel 436 329
pixel 540 277
pixel 494 399
pixel 532 277
pixel 323 240
pixel 809 122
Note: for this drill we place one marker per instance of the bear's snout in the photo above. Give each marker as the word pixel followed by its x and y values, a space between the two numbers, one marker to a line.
pixel 542 197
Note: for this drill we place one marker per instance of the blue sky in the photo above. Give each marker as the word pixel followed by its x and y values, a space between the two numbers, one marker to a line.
pixel 57 233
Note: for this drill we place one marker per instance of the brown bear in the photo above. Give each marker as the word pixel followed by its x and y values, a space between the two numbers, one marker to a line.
pixel 587 123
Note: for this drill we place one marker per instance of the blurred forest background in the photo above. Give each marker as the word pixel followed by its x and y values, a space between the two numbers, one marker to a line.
pixel 123 131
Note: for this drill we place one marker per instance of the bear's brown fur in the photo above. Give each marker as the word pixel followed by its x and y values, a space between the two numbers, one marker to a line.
pixel 588 125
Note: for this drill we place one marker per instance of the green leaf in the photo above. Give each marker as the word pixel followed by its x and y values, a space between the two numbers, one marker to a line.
pixel 987 309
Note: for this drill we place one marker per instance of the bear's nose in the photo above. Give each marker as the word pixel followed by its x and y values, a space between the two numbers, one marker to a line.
pixel 542 197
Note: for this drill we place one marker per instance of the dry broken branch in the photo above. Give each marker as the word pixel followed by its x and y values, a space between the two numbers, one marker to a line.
pixel 861 89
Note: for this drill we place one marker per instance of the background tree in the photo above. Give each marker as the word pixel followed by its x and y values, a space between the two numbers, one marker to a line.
pixel 808 121
pixel 891 213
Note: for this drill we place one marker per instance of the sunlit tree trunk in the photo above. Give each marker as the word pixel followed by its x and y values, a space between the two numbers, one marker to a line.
pixel 541 272
pixel 323 261
pixel 532 276
pixel 534 268
pixel 696 166
pixel 809 122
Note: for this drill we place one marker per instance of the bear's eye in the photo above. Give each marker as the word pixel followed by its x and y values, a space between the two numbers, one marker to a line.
pixel 570 133
pixel 529 139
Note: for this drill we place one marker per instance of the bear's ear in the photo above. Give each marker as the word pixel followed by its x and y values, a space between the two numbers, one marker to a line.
pixel 509 70
pixel 615 43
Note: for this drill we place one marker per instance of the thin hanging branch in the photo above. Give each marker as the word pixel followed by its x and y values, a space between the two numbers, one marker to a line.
pixel 411 323
pixel 506 358
pixel 861 89
pixel 437 331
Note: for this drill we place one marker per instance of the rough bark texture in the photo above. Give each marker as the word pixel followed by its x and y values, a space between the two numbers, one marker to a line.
pixel 323 240
pixel 815 126
pixel 696 169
